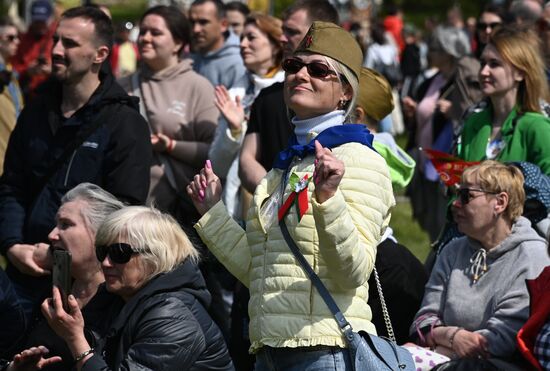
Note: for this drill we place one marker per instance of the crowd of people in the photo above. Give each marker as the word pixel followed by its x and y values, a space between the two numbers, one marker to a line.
pixel 180 169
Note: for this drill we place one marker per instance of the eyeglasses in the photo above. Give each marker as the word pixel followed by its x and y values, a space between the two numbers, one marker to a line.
pixel 11 38
pixel 465 196
pixel 484 26
pixel 119 253
pixel 315 69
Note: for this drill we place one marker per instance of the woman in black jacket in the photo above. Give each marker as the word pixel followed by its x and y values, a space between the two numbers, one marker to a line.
pixel 149 262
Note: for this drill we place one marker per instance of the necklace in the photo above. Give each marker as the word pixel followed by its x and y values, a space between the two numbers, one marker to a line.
pixel 495 144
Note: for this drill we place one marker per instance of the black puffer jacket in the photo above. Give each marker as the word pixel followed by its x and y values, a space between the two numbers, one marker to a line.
pixel 165 326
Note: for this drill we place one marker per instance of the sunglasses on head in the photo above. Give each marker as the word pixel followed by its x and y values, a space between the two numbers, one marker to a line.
pixel 119 253
pixel 484 26
pixel 465 196
pixel 315 69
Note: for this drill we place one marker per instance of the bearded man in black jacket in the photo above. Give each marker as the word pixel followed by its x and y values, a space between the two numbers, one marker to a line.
pixel 82 128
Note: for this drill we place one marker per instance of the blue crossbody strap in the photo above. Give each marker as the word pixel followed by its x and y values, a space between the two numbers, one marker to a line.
pixel 321 288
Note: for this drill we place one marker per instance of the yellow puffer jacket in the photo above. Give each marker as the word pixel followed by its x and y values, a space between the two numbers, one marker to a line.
pixel 338 238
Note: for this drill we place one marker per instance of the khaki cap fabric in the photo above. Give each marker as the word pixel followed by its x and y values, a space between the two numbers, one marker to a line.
pixel 328 39
pixel 375 94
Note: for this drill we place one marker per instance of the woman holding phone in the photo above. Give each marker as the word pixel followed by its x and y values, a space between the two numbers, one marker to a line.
pixel 82 211
pixel 150 264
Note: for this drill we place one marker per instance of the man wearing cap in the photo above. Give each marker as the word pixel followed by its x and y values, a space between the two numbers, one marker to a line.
pixel 269 127
pixel 33 61
pixel 83 128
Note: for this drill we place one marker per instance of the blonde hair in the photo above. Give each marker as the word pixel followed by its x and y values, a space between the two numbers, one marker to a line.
pixel 348 78
pixel 160 241
pixel 521 48
pixel 496 177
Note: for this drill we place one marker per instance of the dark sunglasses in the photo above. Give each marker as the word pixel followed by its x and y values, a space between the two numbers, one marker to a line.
pixel 484 26
pixel 315 69
pixel 11 38
pixel 119 253
pixel 465 196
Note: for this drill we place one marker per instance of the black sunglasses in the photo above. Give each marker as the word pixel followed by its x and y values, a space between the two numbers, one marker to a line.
pixel 119 253
pixel 465 196
pixel 484 26
pixel 11 38
pixel 315 69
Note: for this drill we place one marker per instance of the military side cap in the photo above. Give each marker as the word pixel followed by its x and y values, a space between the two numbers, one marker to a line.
pixel 375 94
pixel 328 39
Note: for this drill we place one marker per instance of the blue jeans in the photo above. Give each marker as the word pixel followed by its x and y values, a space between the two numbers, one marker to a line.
pixel 321 358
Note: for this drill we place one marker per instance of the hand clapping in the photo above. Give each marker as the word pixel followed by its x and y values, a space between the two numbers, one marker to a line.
pixel 232 111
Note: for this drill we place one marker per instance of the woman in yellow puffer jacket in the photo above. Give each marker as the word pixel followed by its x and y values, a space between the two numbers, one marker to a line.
pixel 343 195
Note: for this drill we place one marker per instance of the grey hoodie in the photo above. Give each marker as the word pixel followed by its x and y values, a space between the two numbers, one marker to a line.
pixel 223 66
pixel 497 305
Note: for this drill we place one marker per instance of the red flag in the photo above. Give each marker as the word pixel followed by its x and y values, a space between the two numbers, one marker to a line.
pixel 449 167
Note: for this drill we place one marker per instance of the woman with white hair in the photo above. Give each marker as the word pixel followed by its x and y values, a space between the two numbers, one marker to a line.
pixel 342 194
pixel 149 262
pixel 82 211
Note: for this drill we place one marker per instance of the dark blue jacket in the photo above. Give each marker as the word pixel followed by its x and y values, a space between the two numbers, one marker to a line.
pixel 116 156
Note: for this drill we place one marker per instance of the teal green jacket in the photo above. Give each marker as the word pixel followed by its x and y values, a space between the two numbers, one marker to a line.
pixel 527 138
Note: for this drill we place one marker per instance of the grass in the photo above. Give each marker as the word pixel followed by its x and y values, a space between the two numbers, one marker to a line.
pixel 407 231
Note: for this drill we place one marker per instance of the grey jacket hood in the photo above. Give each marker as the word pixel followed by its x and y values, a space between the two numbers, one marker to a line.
pixel 231 46
pixel 521 233
pixel 223 66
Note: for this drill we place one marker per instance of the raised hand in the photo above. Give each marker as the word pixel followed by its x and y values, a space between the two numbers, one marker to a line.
pixel 69 326
pixel 232 111
pixel 328 173
pixel 206 189
pixel 32 359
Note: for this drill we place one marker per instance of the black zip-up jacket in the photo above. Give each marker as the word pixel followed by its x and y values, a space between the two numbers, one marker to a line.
pixel 117 157
pixel 165 326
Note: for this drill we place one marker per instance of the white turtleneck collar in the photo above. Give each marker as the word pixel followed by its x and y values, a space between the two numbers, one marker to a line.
pixel 315 125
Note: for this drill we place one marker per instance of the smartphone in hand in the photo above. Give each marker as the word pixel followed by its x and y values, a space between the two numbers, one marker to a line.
pixel 61 275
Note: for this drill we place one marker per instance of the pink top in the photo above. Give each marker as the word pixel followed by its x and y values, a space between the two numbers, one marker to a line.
pixel 425 112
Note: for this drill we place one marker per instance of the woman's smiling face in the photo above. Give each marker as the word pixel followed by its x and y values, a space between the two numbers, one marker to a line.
pixel 311 96
pixel 496 76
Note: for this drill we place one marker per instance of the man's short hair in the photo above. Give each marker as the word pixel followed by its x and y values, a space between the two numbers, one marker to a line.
pixel 220 6
pixel 526 11
pixel 238 6
pixel 102 24
pixel 317 10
